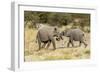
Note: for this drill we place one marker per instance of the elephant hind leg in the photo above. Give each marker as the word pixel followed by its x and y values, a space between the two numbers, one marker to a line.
pixel 84 43
pixel 68 44
pixel 53 43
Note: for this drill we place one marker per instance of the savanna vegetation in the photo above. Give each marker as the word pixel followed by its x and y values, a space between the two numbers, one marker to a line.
pixel 63 21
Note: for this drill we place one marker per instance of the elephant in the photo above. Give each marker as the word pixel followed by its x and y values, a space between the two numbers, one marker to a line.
pixel 46 35
pixel 74 35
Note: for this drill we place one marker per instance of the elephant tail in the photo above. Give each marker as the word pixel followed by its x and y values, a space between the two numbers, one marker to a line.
pixel 37 38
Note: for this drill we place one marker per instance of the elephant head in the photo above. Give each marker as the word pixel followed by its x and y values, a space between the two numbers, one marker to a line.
pixel 57 34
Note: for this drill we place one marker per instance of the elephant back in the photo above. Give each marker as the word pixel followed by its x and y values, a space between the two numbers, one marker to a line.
pixel 77 34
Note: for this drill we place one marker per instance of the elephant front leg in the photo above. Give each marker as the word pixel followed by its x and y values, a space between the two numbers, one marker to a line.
pixel 70 42
pixel 53 42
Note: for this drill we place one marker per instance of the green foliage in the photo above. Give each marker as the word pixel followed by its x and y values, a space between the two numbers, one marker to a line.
pixel 59 19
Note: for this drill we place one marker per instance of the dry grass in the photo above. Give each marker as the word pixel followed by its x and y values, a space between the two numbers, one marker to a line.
pixel 31 46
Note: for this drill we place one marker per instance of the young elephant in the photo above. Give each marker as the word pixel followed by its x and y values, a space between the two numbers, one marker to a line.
pixel 46 35
pixel 74 35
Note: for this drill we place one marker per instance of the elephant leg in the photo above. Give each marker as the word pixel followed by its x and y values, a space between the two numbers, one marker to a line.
pixel 84 44
pixel 80 43
pixel 68 44
pixel 72 43
pixel 43 46
pixel 53 42
pixel 48 44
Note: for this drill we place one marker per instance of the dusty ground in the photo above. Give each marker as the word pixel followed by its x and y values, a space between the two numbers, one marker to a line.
pixel 61 53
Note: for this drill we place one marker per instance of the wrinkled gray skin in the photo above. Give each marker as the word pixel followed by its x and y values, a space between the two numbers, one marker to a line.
pixel 74 35
pixel 46 35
